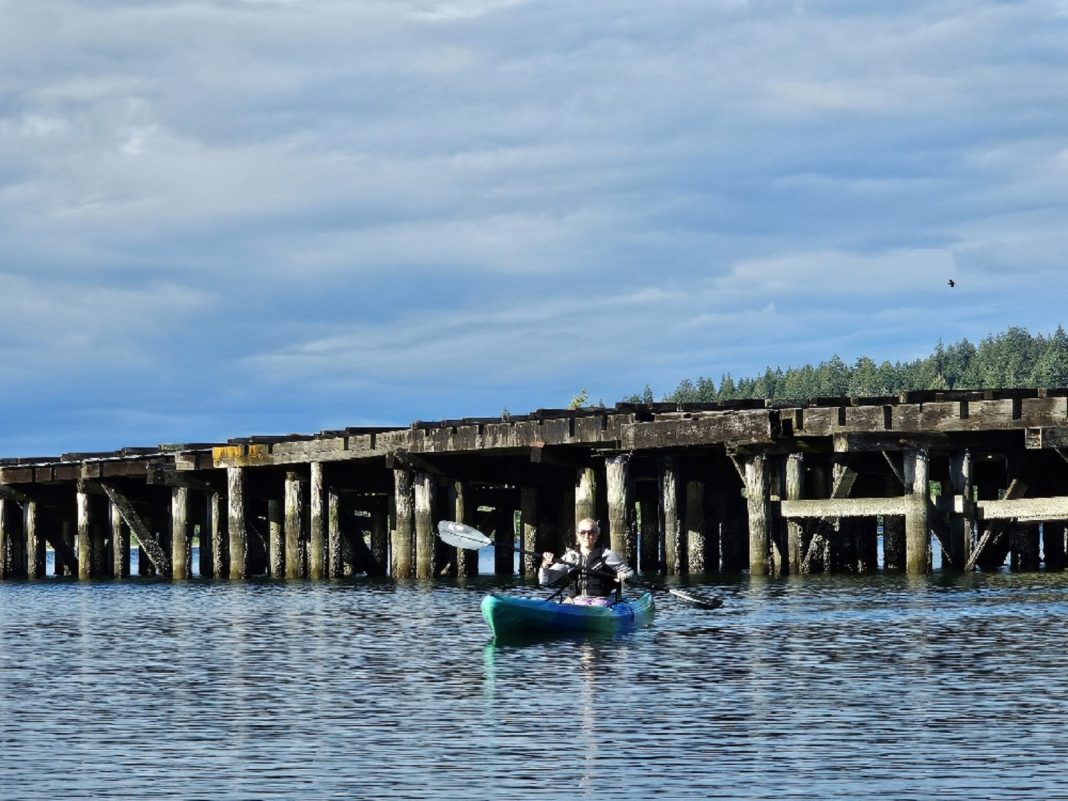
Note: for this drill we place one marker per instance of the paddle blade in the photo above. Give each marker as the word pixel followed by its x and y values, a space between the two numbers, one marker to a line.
pixel 459 535
pixel 697 600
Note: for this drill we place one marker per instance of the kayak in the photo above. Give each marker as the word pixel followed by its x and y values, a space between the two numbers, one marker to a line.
pixel 511 616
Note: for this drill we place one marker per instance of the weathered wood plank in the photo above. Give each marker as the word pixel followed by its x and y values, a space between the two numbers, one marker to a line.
pixel 706 429
pixel 817 421
pixel 864 418
pixel 1044 411
pixel 842 507
pixel 1024 510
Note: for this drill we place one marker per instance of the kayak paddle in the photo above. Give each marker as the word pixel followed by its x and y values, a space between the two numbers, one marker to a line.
pixel 460 535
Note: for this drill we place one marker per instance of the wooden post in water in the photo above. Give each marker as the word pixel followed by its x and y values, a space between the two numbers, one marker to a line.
pixel 379 540
pixel 466 559
pixel 756 486
pixel 424 486
pixel 317 523
pixel 35 541
pixel 669 500
pixel 1027 547
pixel 276 538
pixel 294 525
pixel 795 483
pixel 694 537
pixel 332 565
pixel 101 562
pixel 960 525
pixel 238 537
pixel 5 540
pixel 917 535
pixel 180 544
pixel 585 494
pixel 85 534
pixel 216 524
pixel 528 521
pixel 402 547
pixel 649 519
pixel 618 491
pixel 67 565
pixel 120 542
pixel 1053 545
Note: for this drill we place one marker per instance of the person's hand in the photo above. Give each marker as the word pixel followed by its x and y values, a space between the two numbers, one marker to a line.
pixel 621 576
pixel 547 559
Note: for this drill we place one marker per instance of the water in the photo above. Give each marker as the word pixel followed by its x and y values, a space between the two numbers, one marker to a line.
pixel 813 688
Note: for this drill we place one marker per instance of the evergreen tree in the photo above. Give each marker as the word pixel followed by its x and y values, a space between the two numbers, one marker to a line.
pixel 1012 359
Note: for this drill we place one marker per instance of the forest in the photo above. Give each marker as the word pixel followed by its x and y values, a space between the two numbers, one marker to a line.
pixel 1012 359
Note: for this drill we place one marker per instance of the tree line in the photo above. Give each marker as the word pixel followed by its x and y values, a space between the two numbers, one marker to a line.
pixel 1012 359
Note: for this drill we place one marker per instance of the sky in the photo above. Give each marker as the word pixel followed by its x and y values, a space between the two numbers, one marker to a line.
pixel 233 217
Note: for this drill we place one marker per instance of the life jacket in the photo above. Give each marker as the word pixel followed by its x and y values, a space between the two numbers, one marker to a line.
pixel 595 579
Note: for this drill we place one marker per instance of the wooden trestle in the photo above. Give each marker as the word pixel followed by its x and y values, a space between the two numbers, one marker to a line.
pixel 772 489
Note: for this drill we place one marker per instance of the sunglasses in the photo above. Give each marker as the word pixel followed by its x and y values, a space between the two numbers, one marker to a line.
pixel 586 531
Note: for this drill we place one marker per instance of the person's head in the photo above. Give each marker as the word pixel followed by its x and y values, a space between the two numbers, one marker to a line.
pixel 587 532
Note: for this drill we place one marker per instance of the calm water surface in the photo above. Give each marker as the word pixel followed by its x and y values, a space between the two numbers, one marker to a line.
pixel 819 688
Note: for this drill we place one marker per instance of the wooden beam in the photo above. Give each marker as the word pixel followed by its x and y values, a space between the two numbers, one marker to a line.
pixel 1016 490
pixel 147 542
pixel 842 507
pixel 1024 510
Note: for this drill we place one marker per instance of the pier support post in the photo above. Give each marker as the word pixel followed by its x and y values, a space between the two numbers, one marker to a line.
pixel 961 525
pixel 695 532
pixel 621 539
pixel 585 496
pixel 917 533
pixel 402 549
pixel 120 541
pixel 756 486
pixel 669 501
pixel 238 536
pixel 379 540
pixel 295 561
pixel 332 565
pixel 317 523
pixel 795 482
pixel 180 544
pixel 67 556
pixel 424 525
pixel 85 534
pixel 276 538
pixel 216 523
pixel 6 536
pixel 1053 545
pixel 466 559
pixel 35 541
pixel 528 521
pixel 649 520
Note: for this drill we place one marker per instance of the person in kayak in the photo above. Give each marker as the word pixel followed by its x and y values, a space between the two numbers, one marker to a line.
pixel 595 572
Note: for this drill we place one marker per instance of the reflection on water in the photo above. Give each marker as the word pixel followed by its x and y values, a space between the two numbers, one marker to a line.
pixel 820 688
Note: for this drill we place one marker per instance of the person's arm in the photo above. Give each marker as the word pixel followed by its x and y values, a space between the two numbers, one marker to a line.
pixel 616 564
pixel 552 570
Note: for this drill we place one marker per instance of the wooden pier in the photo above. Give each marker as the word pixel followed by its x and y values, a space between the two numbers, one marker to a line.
pixel 784 489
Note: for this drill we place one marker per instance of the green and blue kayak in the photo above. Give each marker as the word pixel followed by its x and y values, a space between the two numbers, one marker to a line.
pixel 509 616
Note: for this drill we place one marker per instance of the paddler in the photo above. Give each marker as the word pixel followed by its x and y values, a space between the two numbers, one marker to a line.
pixel 595 572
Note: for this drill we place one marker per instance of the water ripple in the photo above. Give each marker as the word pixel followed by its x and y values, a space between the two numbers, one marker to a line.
pixel 822 688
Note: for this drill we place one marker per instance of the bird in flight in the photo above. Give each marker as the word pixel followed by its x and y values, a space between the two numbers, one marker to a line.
pixel 951 282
